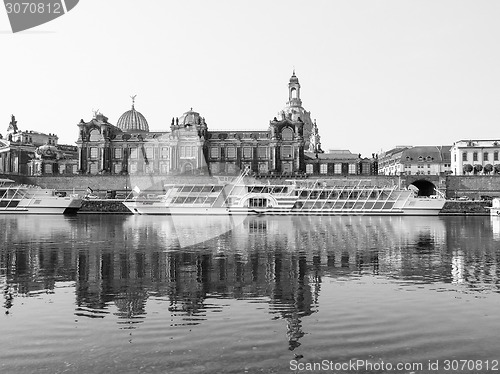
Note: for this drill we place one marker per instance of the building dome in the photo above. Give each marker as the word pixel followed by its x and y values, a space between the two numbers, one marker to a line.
pixel 47 151
pixel 190 118
pixel 133 121
pixel 293 78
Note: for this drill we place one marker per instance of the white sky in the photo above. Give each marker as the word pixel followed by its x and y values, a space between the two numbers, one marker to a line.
pixel 374 73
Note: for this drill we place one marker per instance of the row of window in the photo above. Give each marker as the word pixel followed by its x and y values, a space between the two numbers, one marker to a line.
pixel 475 157
pixel 262 152
pixel 337 169
pixel 192 151
pixel 185 151
pixel 132 169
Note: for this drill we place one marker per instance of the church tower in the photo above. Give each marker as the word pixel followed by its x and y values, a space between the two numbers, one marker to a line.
pixel 295 111
pixel 294 91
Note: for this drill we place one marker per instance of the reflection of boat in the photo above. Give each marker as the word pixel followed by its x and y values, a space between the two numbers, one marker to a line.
pixel 495 207
pixel 186 230
pixel 295 197
pixel 21 199
pixel 495 226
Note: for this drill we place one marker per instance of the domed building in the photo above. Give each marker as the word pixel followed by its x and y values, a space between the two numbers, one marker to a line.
pixel 290 145
pixel 35 153
pixel 132 120
pixel 294 111
pixel 190 118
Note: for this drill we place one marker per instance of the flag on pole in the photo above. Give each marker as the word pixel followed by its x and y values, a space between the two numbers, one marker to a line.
pixel 137 189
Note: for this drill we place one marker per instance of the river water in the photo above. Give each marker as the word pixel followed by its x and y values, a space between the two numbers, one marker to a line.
pixel 139 294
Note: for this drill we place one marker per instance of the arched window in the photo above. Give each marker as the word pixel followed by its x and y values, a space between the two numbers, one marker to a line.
pixel 294 93
pixel 95 135
pixel 188 168
pixel 287 134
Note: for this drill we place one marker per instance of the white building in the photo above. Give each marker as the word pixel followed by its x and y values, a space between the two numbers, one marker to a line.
pixel 418 160
pixel 475 157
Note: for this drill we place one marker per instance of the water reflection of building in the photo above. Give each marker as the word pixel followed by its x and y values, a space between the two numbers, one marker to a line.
pixel 281 259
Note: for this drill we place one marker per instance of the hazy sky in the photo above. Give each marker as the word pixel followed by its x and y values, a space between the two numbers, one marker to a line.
pixel 374 74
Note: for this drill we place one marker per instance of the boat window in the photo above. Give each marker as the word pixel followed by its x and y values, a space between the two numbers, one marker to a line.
pixel 369 205
pixel 257 202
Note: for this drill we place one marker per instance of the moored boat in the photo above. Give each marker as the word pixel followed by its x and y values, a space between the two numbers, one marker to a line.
pixel 292 197
pixel 23 199
pixel 495 207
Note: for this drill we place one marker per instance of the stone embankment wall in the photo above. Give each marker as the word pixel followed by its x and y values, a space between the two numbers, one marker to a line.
pixel 103 206
pixel 475 208
pixel 473 186
pixel 79 183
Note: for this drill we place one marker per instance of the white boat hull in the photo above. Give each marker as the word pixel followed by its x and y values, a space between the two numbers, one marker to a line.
pixel 57 205
pixel 423 207
pixel 21 199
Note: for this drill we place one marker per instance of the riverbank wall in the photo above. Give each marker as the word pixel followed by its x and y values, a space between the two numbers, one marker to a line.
pixel 466 208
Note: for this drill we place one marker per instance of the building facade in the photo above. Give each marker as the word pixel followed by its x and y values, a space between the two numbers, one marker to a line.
pixel 290 145
pixel 35 153
pixel 418 160
pixel 475 157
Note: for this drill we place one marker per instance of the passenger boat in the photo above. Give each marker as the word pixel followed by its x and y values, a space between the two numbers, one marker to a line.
pixel 22 199
pixel 495 207
pixel 292 197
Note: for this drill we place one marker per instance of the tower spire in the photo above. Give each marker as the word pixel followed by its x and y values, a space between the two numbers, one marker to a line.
pixel 133 100
pixel 294 91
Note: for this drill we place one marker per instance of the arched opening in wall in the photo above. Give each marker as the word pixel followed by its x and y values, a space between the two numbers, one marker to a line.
pixel 95 135
pixel 188 168
pixel 294 93
pixel 425 187
pixel 287 134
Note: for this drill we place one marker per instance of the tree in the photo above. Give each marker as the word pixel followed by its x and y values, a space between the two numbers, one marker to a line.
pixel 488 168
pixel 478 168
pixel 468 168
pixel 497 168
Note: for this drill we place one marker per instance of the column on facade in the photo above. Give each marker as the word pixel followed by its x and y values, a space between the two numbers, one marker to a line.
pixel 171 158
pixel 102 159
pixel 296 158
pixel 274 154
pixel 9 163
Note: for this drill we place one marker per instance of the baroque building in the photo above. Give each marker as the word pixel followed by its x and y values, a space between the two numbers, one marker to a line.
pixel 290 145
pixel 35 153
